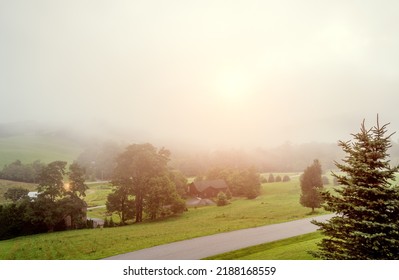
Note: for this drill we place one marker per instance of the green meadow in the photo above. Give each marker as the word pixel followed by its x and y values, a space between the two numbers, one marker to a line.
pixel 279 202
pixel 31 147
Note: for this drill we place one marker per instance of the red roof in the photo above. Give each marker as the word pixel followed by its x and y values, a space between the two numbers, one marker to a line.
pixel 203 185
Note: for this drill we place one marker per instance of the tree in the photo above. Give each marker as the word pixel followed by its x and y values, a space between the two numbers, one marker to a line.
pixel 271 178
pixel 241 181
pixel 161 195
pixel 366 204
pixel 180 182
pixel 14 194
pixel 286 178
pixel 121 202
pixel 135 169
pixel 17 171
pixel 51 182
pixel 77 184
pixel 311 185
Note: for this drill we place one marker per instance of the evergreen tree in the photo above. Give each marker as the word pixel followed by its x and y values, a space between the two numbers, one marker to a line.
pixel 271 178
pixel 286 178
pixel 366 204
pixel 311 184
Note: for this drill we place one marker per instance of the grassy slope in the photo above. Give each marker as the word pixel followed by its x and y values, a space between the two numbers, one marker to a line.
pixel 278 203
pixel 29 148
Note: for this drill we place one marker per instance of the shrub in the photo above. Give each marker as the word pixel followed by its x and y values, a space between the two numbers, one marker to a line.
pixel 286 178
pixel 221 199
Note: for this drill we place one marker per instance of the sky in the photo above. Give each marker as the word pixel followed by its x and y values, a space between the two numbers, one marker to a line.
pixel 213 73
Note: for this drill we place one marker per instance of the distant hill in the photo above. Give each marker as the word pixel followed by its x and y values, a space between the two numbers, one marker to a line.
pixel 29 142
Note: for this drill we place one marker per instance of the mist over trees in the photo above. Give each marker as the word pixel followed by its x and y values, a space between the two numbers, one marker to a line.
pixel 99 159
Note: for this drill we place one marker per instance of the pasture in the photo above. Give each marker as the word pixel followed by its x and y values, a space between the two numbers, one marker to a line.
pixel 28 148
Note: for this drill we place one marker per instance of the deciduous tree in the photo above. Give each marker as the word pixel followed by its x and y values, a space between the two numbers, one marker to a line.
pixel 136 169
pixel 16 193
pixel 51 183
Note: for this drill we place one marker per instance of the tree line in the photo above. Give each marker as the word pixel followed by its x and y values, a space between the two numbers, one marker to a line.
pixel 20 172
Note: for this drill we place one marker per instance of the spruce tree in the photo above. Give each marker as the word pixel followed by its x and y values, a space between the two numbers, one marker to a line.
pixel 366 205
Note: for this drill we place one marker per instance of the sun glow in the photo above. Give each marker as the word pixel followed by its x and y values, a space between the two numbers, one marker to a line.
pixel 233 86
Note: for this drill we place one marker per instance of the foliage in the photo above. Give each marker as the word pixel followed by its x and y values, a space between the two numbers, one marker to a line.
pixel 51 180
pixel 180 182
pixel 106 223
pixel 366 204
pixel 17 171
pixel 160 196
pixel 16 193
pixel 271 178
pixel 335 181
pixel 311 185
pixel 141 171
pixel 122 203
pixel 77 180
pixel 286 178
pixel 221 199
pixel 241 182
pixel 50 210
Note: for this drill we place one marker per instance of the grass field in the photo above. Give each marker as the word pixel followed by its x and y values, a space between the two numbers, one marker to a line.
pixel 29 148
pixel 278 203
pixel 97 193
pixel 294 248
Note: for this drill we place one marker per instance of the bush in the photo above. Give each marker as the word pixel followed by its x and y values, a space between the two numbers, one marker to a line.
pixel 286 178
pixel 271 178
pixel 221 199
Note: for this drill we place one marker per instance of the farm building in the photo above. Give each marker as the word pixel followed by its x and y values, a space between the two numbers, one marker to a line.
pixel 208 188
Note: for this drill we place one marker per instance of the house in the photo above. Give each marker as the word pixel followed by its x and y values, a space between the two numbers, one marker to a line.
pixel 207 188
pixel 33 195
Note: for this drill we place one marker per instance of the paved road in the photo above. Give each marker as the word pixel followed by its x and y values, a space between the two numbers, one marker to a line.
pixel 201 247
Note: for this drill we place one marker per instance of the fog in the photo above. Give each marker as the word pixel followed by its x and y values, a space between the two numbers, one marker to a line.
pixel 208 73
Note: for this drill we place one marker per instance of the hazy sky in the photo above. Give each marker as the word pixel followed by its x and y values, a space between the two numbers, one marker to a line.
pixel 224 73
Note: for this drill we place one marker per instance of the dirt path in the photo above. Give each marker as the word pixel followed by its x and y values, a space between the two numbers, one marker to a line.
pixel 198 248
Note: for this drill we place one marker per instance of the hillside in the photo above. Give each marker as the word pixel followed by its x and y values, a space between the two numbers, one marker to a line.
pixel 29 142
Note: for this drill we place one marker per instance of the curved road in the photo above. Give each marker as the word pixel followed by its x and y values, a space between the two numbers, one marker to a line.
pixel 202 247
